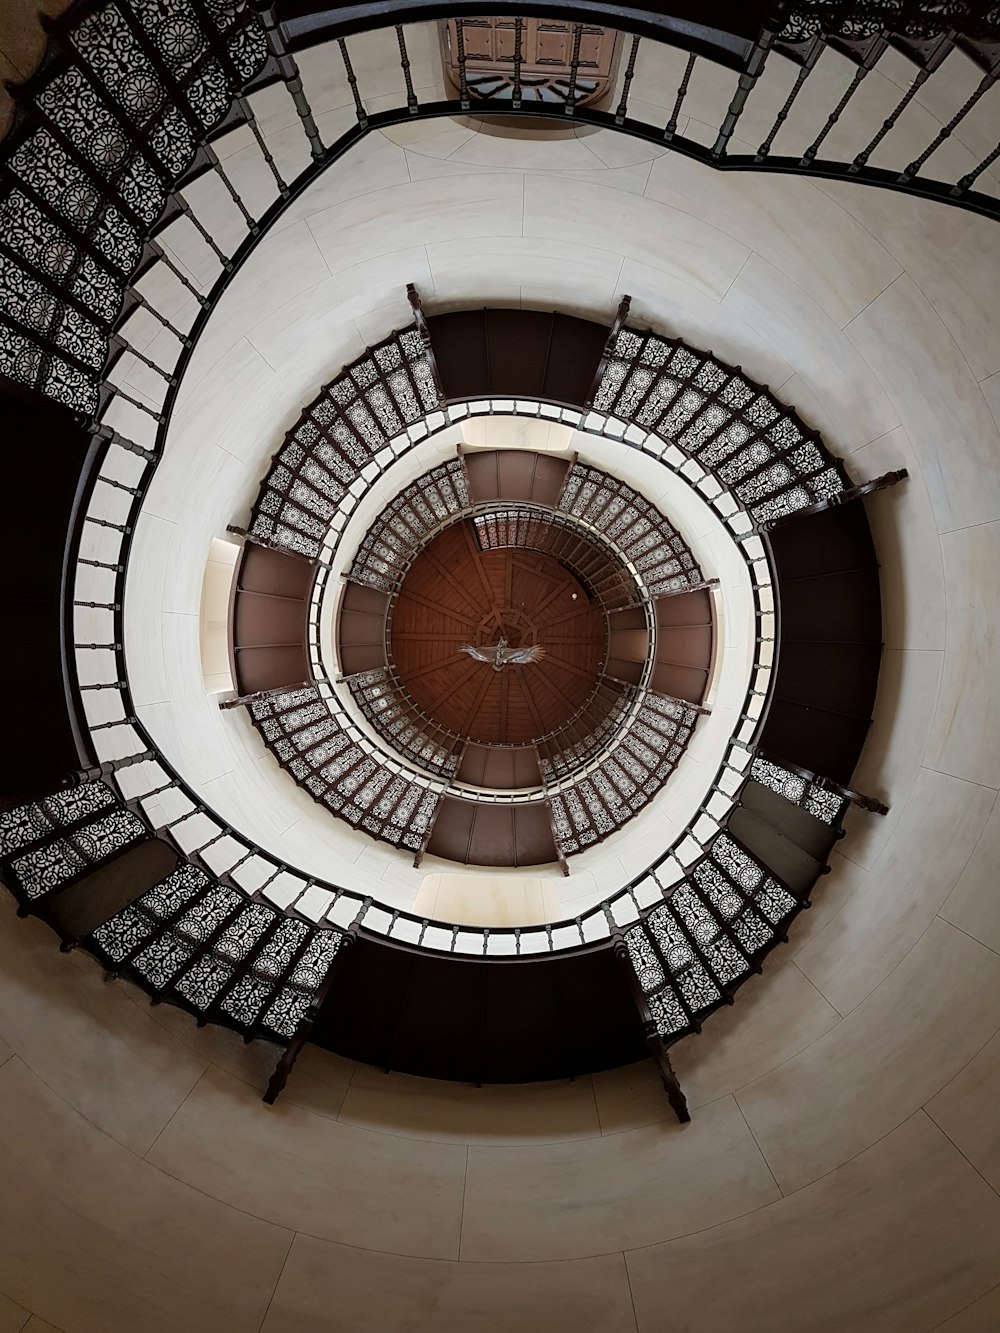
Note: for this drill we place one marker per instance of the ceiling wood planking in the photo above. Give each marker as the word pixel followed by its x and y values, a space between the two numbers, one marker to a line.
pixel 513 598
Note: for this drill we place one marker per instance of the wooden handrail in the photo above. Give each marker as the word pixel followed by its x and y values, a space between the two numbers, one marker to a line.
pixel 869 803
pixel 621 315
pixel 858 492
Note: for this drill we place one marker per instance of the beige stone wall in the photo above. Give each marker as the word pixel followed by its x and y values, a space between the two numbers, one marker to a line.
pixel 842 1169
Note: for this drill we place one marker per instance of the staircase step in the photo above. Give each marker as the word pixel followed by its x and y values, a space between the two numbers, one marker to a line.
pixel 782 857
pixel 807 832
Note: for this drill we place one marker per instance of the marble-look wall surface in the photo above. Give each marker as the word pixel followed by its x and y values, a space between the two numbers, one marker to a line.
pixel 841 1170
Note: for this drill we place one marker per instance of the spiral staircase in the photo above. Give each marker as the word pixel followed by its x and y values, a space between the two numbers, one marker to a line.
pixel 689 745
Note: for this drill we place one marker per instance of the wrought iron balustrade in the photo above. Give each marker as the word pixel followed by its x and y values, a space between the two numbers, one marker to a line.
pixel 120 122
pixel 113 139
pixel 110 714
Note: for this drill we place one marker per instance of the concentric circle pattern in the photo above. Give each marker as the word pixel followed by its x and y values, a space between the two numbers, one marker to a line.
pixel 456 594
pixel 147 1187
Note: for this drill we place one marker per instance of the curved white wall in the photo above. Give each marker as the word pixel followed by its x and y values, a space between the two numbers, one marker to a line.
pixel 841 1171
pixel 218 448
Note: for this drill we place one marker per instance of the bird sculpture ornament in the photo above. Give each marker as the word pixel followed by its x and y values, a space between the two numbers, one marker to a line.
pixel 500 654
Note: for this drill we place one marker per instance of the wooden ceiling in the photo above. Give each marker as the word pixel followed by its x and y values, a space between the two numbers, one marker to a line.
pixel 456 594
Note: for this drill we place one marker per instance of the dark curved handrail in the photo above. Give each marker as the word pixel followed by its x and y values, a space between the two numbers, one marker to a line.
pixel 281 64
pixel 717 157
pixel 307 24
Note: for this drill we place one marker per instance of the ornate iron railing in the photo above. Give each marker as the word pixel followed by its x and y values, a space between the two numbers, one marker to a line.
pixel 120 121
pixel 155 786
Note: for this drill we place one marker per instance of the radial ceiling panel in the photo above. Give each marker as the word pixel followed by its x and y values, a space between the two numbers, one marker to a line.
pixel 456 594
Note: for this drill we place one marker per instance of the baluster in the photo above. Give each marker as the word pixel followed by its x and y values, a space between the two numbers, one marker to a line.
pixel 362 912
pixel 404 61
pixel 359 108
pixel 971 177
pixel 574 69
pixel 629 72
pixel 809 59
pixel 241 862
pixel 203 232
pixel 230 188
pixel 112 437
pixel 119 344
pixel 875 48
pixel 133 295
pixel 112 391
pixel 743 89
pixel 515 100
pixel 289 71
pixel 100 564
pixel 463 85
pixel 104 523
pixel 157 249
pixel 109 766
pixel 889 122
pixel 279 870
pixel 247 111
pixel 127 721
pixel 985 84
pixel 671 126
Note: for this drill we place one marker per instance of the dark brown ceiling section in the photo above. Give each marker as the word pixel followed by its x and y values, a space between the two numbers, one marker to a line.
pixel 515 474
pixel 684 645
pixel 492 835
pixel 456 594
pixel 499 768
pixel 831 640
pixel 628 644
pixel 527 353
pixel 269 620
pixel 445 1016
pixel 361 628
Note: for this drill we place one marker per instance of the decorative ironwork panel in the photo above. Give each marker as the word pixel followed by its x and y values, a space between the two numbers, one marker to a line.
pixel 121 935
pixel 26 824
pixel 49 866
pixel 621 514
pixel 393 715
pixel 407 521
pixel 353 419
pixel 628 777
pixel 117 121
pixel 825 805
pixel 738 431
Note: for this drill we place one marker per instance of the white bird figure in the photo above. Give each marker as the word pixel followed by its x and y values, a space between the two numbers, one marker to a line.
pixel 500 655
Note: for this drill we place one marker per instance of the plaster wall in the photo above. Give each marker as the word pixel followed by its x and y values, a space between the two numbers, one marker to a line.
pixel 842 1168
